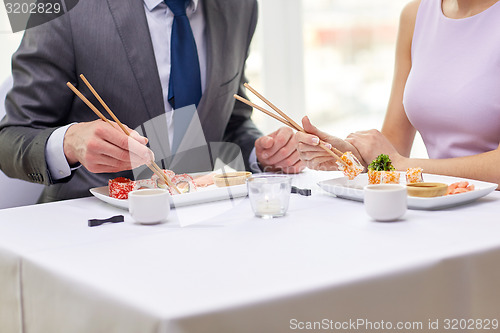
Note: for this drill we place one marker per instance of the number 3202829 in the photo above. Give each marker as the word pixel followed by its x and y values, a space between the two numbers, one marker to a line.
pixel 33 8
pixel 470 324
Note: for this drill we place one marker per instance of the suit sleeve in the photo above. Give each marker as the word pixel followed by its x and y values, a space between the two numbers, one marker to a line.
pixel 39 101
pixel 241 129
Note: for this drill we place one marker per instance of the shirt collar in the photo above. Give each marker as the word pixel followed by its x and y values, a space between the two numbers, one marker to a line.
pixel 152 4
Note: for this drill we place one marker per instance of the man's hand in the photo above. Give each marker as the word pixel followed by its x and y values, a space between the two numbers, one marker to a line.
pixel 101 148
pixel 278 152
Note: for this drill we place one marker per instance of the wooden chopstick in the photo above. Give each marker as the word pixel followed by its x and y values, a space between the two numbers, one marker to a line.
pixel 295 125
pixel 247 102
pixel 281 113
pixel 104 105
pixel 152 165
pixel 89 104
pixel 286 120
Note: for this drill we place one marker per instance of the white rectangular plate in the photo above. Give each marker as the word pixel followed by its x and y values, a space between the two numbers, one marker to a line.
pixel 202 195
pixel 353 189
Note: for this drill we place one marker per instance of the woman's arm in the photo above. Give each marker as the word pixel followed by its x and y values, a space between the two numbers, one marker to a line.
pixel 398 132
pixel 396 137
pixel 482 166
pixel 396 125
pixel 397 128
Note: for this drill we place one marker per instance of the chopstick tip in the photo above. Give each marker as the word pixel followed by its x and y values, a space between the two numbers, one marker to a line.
pixel 71 86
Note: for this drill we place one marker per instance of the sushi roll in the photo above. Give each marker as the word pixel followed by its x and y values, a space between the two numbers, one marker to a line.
pixel 414 175
pixel 383 177
pixel 146 183
pixel 160 183
pixel 389 177
pixel 120 187
pixel 185 183
pixel 374 177
pixel 352 167
pixel 381 171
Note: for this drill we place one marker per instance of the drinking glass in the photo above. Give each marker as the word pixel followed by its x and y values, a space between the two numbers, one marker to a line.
pixel 269 194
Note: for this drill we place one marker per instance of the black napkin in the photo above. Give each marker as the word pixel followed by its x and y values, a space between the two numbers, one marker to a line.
pixel 302 191
pixel 98 222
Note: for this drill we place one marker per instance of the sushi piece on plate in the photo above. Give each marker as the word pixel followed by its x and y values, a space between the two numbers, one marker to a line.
pixel 120 187
pixel 414 175
pixel 381 171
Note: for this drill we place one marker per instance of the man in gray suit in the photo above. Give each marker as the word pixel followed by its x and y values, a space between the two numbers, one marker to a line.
pixel 123 47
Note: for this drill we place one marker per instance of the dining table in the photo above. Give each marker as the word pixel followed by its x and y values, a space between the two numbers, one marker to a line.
pixel 325 266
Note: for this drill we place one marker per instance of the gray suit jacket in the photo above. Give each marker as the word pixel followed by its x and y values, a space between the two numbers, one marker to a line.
pixel 109 42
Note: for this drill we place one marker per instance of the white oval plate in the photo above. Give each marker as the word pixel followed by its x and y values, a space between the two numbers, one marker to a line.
pixel 202 195
pixel 353 189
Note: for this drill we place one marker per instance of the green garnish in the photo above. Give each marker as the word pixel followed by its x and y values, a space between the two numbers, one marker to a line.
pixel 381 163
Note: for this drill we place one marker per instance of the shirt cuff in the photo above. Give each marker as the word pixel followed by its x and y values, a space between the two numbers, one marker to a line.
pixel 54 153
pixel 254 163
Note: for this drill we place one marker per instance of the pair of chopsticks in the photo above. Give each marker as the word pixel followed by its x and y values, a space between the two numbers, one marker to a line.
pixel 152 164
pixel 286 120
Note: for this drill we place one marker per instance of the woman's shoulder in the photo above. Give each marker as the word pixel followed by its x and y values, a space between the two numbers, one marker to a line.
pixel 407 19
pixel 409 12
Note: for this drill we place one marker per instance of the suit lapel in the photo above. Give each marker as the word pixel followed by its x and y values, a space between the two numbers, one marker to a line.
pixel 216 30
pixel 131 24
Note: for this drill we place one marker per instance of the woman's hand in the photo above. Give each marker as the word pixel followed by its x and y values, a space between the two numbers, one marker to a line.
pixel 372 143
pixel 312 154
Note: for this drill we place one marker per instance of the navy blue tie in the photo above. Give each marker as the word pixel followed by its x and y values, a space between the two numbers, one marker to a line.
pixel 185 81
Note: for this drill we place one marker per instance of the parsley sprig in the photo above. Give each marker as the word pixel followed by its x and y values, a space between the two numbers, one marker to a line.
pixel 381 163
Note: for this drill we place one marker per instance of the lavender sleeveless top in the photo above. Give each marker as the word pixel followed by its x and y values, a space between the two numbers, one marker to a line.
pixel 452 95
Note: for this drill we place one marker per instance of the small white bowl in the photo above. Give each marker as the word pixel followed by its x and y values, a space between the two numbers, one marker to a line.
pixel 385 202
pixel 149 206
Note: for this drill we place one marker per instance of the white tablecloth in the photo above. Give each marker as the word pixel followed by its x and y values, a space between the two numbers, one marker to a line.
pixel 231 272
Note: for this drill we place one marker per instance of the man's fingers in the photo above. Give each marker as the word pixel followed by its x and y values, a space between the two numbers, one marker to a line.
pixel 283 147
pixel 281 138
pixel 103 152
pixel 265 142
pixel 140 151
pixel 286 156
pixel 136 136
pixel 103 148
pixel 127 145
pixel 119 151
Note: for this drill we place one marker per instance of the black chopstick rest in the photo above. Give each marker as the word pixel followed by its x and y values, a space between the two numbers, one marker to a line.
pixel 302 191
pixel 98 222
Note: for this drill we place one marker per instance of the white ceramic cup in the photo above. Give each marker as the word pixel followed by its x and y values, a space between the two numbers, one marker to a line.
pixel 149 206
pixel 385 202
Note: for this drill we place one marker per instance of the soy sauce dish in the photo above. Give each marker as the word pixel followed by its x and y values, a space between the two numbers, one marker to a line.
pixel 426 189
